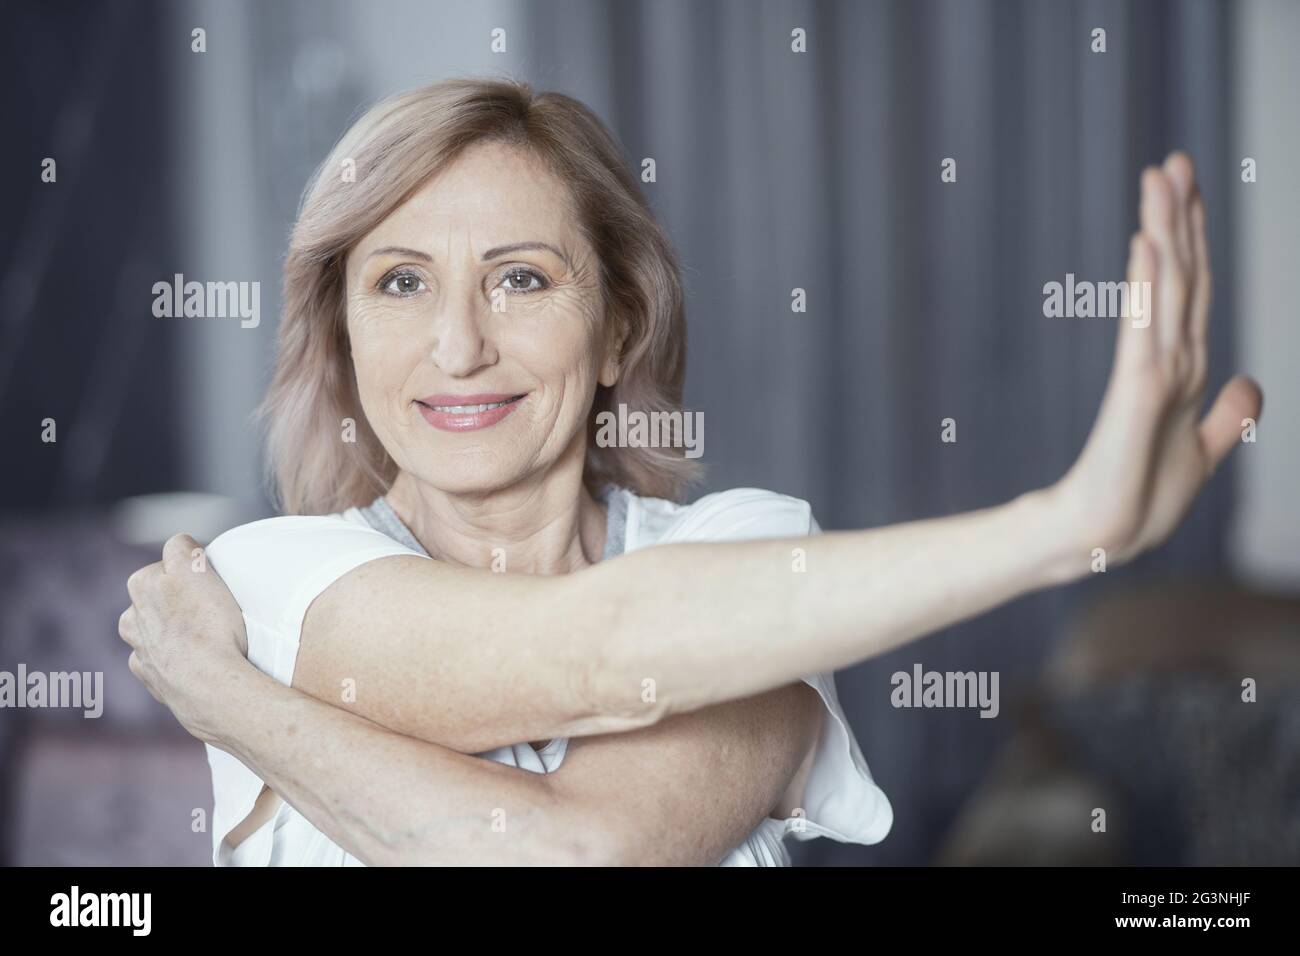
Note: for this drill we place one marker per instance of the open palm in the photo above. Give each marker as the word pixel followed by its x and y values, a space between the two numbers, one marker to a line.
pixel 1150 452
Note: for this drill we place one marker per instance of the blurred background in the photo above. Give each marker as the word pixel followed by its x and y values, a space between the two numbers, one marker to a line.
pixel 775 170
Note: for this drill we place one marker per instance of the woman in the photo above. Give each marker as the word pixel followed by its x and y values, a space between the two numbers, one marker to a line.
pixel 473 277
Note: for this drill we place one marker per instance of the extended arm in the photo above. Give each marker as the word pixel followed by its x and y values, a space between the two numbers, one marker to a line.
pixel 507 658
pixel 713 622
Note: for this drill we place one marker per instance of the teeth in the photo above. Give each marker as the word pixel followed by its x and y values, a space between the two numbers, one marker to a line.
pixel 468 409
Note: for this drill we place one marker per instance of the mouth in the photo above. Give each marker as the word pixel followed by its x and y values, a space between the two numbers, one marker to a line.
pixel 462 413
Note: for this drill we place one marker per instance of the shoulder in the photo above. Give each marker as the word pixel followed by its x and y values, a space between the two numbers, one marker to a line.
pixel 735 514
pixel 290 531
pixel 275 565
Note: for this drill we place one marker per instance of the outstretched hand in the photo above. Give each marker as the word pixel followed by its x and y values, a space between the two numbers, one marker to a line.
pixel 1150 451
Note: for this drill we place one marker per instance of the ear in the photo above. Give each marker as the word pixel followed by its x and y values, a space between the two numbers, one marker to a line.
pixel 612 366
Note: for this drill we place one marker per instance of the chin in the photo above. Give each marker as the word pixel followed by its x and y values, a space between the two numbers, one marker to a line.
pixel 473 473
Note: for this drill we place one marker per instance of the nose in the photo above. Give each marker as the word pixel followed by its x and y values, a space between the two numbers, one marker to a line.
pixel 461 342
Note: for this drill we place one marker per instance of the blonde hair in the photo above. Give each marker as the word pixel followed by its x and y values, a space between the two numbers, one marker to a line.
pixel 394 148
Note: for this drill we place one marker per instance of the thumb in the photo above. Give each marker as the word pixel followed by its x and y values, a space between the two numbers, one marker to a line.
pixel 178 552
pixel 1221 428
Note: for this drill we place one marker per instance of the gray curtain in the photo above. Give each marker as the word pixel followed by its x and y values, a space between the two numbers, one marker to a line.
pixel 776 170
pixel 821 171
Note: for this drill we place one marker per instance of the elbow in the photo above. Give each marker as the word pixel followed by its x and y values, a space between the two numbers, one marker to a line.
pixel 612 681
pixel 617 698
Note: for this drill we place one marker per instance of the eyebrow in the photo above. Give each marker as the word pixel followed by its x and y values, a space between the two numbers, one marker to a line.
pixel 524 247
pixel 401 251
pixel 493 253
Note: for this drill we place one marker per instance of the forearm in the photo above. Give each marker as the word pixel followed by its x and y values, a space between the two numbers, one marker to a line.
pixel 717 622
pixel 706 780
pixel 389 799
pixel 474 660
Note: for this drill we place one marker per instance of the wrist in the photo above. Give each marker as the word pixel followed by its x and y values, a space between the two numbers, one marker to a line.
pixel 1051 512
pixel 224 693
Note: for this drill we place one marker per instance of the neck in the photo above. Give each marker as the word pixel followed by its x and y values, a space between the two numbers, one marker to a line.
pixel 545 524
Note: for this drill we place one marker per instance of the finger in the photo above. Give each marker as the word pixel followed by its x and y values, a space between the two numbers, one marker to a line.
pixel 178 552
pixel 126 626
pixel 1221 428
pixel 1158 222
pixel 137 585
pixel 1181 174
pixel 1204 290
pixel 1157 206
pixel 1135 342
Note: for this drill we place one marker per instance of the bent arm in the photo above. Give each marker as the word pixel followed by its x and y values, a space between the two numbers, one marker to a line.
pixel 475 660
pixel 704 781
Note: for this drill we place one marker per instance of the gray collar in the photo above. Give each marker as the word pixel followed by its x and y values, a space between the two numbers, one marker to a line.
pixel 379 514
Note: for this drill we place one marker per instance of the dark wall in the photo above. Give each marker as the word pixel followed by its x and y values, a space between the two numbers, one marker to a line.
pixel 84 85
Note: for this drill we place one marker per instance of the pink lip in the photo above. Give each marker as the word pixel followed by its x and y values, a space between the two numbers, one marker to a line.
pixel 466 421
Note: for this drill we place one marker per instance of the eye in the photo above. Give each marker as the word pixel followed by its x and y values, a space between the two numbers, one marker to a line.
pixel 519 279
pixel 402 283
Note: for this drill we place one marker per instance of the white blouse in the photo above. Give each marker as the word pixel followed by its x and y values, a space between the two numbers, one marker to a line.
pixel 275 568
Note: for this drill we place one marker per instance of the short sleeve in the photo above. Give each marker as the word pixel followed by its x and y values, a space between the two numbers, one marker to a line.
pixel 841 799
pixel 275 568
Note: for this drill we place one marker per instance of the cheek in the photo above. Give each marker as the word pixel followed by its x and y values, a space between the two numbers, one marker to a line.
pixel 561 363
pixel 559 345
pixel 383 354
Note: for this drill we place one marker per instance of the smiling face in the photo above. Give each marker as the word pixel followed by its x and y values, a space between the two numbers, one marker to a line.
pixel 476 325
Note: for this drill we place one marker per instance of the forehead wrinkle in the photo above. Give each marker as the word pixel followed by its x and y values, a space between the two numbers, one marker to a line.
pixel 443 205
